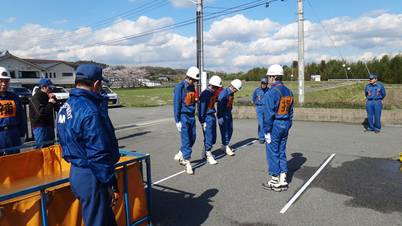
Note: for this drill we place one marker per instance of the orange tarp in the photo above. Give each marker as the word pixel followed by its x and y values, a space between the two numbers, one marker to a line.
pixel 41 166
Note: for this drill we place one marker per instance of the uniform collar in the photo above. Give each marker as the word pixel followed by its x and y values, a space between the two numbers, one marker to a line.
pixel 86 93
pixel 278 83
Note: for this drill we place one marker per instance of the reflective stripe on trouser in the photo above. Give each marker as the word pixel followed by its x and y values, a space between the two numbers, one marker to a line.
pixel 210 132
pixel 374 108
pixel 260 118
pixel 9 138
pixel 187 135
pixel 226 129
pixel 276 150
pixel 44 136
pixel 95 197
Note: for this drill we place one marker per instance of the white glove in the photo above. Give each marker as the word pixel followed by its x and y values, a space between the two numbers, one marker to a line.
pixel 178 125
pixel 204 126
pixel 220 121
pixel 267 138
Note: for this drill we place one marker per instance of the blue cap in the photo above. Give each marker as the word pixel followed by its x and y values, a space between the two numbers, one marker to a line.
pixel 91 72
pixel 373 76
pixel 45 82
pixel 264 80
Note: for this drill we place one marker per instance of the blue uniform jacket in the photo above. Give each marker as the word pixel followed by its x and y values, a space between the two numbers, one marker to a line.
pixel 87 135
pixel 375 91
pixel 278 105
pixel 258 96
pixel 183 100
pixel 12 114
pixel 207 104
pixel 225 103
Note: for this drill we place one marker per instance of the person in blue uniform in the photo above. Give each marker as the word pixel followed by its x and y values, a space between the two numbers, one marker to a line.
pixel 258 95
pixel 88 142
pixel 224 114
pixel 13 123
pixel 41 111
pixel 278 114
pixel 207 117
pixel 184 103
pixel 374 92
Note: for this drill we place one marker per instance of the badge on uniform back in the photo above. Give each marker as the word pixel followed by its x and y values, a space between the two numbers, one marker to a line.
pixel 7 108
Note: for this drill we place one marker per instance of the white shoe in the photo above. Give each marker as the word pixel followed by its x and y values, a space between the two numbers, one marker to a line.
pixel 282 181
pixel 179 157
pixel 210 158
pixel 272 184
pixel 229 151
pixel 188 167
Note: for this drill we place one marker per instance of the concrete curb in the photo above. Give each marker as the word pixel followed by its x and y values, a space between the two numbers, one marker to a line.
pixel 326 115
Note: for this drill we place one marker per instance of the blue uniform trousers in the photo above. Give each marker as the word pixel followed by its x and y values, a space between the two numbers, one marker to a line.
pixel 210 132
pixel 276 150
pixel 187 134
pixel 260 117
pixel 9 139
pixel 374 108
pixel 226 129
pixel 44 136
pixel 94 197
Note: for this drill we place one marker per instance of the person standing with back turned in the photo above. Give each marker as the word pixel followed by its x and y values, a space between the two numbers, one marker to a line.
pixel 278 115
pixel 89 143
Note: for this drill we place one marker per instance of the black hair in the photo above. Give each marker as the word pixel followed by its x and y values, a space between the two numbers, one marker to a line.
pixel 85 82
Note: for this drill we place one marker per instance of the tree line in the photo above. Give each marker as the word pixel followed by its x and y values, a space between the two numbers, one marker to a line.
pixel 388 68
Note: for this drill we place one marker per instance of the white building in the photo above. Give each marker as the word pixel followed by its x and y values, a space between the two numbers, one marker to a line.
pixel 29 71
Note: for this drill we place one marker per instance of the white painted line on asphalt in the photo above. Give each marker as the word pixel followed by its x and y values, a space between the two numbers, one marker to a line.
pixel 294 198
pixel 125 127
pixel 167 178
pixel 199 164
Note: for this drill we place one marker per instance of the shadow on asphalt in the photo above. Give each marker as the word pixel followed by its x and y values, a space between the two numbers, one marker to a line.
pixel 294 164
pixel 176 207
pixel 369 182
pixel 133 135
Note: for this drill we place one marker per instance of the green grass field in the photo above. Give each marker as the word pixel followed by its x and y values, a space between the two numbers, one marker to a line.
pixel 332 94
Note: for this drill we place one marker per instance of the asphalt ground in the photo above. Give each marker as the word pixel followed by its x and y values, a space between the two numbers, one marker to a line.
pixel 362 185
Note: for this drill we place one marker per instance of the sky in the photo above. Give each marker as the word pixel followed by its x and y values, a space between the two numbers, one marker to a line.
pixel 238 34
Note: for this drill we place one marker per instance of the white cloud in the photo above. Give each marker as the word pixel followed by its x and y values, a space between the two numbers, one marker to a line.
pixel 231 44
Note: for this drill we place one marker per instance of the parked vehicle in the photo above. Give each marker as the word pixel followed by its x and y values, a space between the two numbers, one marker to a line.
pixel 60 93
pixel 114 99
pixel 23 93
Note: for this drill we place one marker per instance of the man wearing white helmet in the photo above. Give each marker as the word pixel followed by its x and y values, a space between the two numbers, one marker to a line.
pixel 184 114
pixel 225 120
pixel 207 118
pixel 13 122
pixel 278 114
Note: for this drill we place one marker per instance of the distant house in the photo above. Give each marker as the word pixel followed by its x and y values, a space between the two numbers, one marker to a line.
pixel 148 83
pixel 29 71
pixel 315 78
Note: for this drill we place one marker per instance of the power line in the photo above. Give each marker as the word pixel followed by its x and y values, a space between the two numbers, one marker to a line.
pixel 210 16
pixel 147 7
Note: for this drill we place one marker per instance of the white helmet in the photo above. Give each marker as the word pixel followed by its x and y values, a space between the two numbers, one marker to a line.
pixel 275 69
pixel 193 72
pixel 4 74
pixel 215 81
pixel 236 84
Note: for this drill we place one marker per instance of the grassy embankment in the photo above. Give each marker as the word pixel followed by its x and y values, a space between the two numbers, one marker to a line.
pixel 317 94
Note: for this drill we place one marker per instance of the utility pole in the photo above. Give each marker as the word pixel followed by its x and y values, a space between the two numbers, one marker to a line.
pixel 301 50
pixel 200 45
